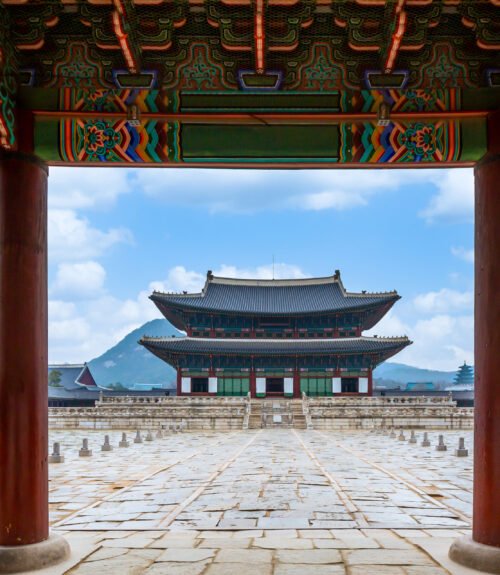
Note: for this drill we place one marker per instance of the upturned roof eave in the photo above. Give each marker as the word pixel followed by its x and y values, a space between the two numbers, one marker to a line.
pixel 163 299
pixel 399 343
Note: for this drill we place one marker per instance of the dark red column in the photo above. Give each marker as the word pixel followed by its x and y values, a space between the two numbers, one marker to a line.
pixel 23 350
pixel 486 510
pixel 252 384
pixel 296 384
pixel 179 381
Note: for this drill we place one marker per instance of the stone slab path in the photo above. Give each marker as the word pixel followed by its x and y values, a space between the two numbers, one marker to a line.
pixel 270 501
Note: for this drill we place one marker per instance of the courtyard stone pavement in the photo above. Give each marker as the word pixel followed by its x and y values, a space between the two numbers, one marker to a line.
pixel 263 502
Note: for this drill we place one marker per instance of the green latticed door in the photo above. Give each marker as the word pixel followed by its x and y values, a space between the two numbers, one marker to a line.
pixel 316 386
pixel 232 386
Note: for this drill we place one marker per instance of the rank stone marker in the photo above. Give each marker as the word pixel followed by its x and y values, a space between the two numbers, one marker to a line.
pixel 461 451
pixel 106 446
pixel 441 446
pixel 401 436
pixel 124 442
pixel 56 456
pixel 413 438
pixel 149 436
pixel 138 438
pixel 425 441
pixel 85 451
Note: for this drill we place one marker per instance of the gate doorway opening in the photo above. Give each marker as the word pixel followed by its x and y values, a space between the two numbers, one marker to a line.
pixel 275 386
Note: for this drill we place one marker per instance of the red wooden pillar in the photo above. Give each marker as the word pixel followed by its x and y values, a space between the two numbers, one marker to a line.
pixel 486 525
pixel 253 384
pixel 370 382
pixel 23 350
pixel 25 543
pixel 179 381
pixel 483 550
pixel 296 384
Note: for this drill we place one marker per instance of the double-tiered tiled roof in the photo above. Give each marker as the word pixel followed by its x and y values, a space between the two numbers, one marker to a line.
pixel 284 298
pixel 273 297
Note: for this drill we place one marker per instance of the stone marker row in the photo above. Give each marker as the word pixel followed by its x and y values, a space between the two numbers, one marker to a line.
pixel 56 456
pixel 441 446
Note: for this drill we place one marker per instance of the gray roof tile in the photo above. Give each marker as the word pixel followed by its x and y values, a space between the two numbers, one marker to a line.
pixel 197 345
pixel 283 297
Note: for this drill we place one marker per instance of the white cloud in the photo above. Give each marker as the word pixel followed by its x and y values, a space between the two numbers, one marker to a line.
pixel 84 324
pixel 61 310
pixel 269 271
pixel 70 331
pixel 463 254
pixel 249 191
pixel 455 198
pixel 180 279
pixel 76 188
pixel 441 342
pixel 73 238
pixel 83 279
pixel 444 301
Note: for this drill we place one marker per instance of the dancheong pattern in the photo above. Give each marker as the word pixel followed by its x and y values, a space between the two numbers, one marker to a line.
pixel 115 100
pixel 111 142
pixel 159 142
pixel 401 143
pixel 8 85
pixel 402 100
pixel 201 76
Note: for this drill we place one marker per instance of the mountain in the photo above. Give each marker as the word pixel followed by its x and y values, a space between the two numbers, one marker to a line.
pixel 128 363
pixel 394 374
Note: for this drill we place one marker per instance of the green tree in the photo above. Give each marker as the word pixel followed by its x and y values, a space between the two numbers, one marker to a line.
pixel 55 378
pixel 117 386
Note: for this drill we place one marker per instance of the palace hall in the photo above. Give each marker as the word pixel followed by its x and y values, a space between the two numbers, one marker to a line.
pixel 274 337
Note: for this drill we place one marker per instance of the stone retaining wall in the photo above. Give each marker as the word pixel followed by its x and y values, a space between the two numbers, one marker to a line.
pixel 231 413
pixel 153 413
pixel 372 412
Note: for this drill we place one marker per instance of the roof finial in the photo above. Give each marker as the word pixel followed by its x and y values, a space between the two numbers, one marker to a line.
pixel 336 275
pixel 210 275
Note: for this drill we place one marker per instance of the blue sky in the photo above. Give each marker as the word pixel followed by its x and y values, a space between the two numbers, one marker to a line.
pixel 115 234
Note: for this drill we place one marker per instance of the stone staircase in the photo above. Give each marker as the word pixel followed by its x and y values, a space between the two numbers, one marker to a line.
pixel 276 413
pixel 298 416
pixel 255 419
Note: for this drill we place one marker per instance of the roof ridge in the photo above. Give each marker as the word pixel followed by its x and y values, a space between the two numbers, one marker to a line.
pixel 269 282
pixel 66 365
pixel 365 293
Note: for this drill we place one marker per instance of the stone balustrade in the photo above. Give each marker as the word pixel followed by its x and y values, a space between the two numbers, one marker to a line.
pixel 333 402
pixel 370 412
pixel 170 400
pixel 226 413
pixel 217 413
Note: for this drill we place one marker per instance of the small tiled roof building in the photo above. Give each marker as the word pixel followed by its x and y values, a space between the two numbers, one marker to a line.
pixel 274 337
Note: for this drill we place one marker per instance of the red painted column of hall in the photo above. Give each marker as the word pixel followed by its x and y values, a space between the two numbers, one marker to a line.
pixel 483 550
pixel 23 366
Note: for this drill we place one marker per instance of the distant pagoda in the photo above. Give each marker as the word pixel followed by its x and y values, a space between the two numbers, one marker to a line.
pixel 274 337
pixel 464 376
